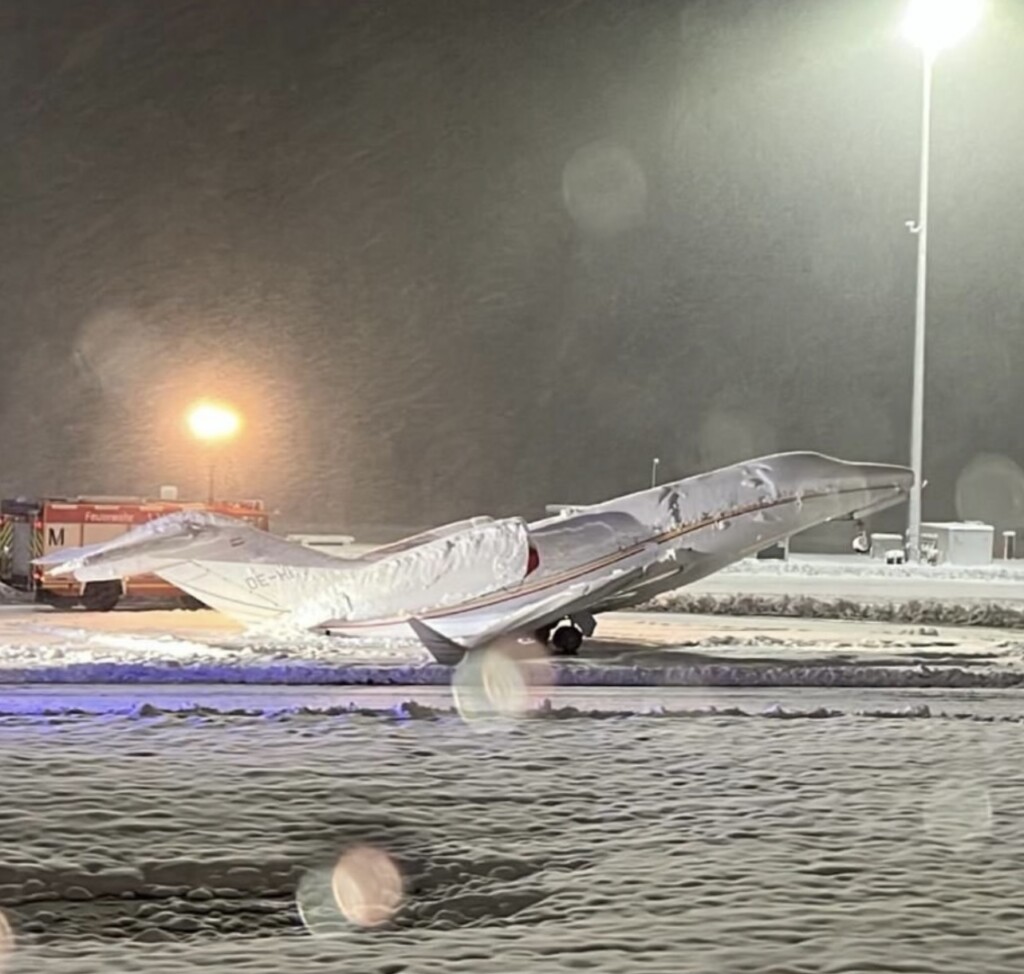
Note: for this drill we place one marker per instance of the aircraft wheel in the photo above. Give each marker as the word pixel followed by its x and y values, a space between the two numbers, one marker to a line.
pixel 567 640
pixel 101 596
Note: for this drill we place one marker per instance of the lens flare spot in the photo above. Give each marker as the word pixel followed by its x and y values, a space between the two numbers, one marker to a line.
pixel 368 886
pixel 604 188
pixel 315 902
pixel 991 489
pixel 501 682
pixel 6 942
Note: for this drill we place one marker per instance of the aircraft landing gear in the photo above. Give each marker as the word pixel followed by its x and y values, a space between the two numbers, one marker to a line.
pixel 566 636
pixel 543 635
pixel 567 640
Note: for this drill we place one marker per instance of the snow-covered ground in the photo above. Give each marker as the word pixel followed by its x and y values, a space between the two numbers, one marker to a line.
pixel 639 648
pixel 694 793
pixel 180 843
pixel 799 622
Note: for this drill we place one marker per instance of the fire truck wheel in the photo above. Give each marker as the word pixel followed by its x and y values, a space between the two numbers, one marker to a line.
pixel 101 596
pixel 61 602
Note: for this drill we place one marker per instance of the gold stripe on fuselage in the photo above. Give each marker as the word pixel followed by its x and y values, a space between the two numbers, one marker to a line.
pixel 606 561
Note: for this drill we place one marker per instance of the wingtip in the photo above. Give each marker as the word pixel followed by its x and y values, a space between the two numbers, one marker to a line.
pixel 444 650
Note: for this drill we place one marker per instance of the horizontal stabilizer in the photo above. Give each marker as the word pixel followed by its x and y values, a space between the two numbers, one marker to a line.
pixel 181 537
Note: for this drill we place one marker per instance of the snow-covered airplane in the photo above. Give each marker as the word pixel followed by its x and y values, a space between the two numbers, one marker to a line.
pixel 463 585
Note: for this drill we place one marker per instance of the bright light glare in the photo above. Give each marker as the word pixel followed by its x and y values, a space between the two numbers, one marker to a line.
pixel 212 421
pixel 501 682
pixel 934 25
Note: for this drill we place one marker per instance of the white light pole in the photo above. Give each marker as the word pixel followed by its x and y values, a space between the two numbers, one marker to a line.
pixel 654 472
pixel 933 26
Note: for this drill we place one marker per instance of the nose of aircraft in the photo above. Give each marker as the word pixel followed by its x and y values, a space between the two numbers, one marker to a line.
pixel 881 484
pixel 850 473
pixel 799 468
pixel 866 488
pixel 881 476
pixel 856 487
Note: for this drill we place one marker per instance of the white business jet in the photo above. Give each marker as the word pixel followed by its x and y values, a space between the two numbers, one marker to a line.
pixel 464 585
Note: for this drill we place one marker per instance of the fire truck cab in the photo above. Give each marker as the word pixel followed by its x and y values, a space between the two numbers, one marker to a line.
pixel 32 528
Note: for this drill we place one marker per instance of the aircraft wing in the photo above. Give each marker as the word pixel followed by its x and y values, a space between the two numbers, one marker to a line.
pixel 526 618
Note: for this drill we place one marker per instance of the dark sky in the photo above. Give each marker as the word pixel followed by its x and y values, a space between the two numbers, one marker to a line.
pixel 469 257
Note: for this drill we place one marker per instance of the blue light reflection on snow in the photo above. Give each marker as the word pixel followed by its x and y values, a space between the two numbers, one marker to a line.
pixel 74 702
pixel 224 700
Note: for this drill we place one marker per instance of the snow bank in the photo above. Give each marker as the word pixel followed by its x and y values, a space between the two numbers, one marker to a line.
pixel 10 596
pixel 853 567
pixel 768 673
pixel 212 716
pixel 913 611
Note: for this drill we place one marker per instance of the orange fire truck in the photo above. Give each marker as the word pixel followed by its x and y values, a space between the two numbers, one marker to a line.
pixel 32 528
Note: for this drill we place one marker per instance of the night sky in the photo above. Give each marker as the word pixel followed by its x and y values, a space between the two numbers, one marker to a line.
pixel 462 257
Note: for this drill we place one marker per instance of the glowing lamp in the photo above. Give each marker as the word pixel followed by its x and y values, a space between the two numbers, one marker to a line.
pixel 935 25
pixel 212 421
